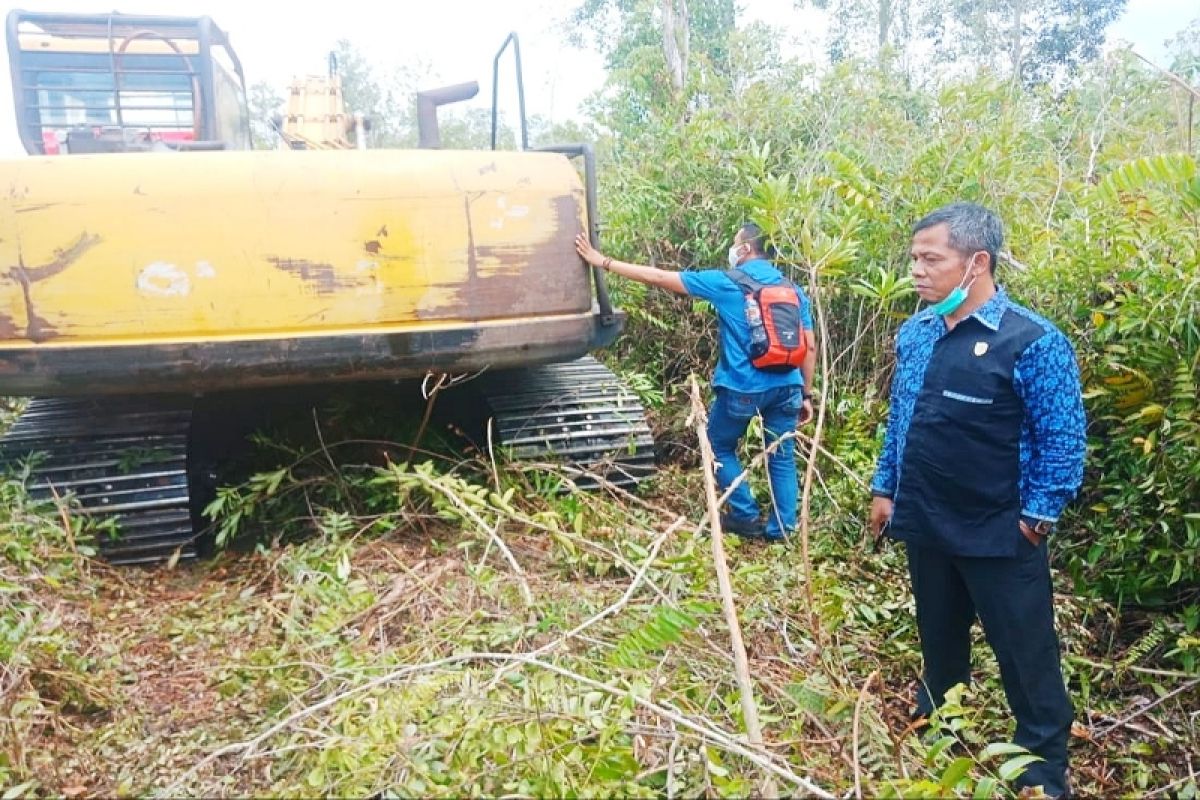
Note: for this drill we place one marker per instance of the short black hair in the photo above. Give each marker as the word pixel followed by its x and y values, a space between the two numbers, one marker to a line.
pixel 753 235
pixel 973 228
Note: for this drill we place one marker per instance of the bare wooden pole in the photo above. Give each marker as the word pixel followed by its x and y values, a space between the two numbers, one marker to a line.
pixel 741 663
pixel 810 463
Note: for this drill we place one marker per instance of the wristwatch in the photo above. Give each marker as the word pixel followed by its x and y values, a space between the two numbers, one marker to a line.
pixel 1042 527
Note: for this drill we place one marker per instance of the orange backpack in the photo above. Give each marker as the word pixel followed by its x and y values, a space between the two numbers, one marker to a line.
pixel 773 310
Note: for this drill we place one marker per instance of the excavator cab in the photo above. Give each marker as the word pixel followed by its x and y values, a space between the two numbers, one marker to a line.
pixel 115 83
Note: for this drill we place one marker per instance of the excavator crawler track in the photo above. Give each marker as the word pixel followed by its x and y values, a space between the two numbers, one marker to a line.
pixel 121 458
pixel 578 413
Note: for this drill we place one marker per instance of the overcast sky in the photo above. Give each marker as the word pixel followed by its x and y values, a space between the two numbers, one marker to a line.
pixel 459 38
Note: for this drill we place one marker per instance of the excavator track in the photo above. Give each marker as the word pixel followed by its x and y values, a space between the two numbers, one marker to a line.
pixel 127 458
pixel 578 413
pixel 123 458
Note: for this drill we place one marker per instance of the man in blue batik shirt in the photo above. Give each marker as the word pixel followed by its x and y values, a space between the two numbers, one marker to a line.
pixel 742 390
pixel 984 447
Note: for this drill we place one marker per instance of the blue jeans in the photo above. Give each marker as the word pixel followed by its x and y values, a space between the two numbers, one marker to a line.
pixel 728 418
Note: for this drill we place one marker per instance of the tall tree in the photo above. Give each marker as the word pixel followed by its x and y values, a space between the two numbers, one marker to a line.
pixel 866 28
pixel 388 99
pixel 1184 50
pixel 677 36
pixel 659 53
pixel 1034 41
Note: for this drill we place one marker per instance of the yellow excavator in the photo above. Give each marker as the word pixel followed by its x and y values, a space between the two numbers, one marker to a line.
pixel 150 261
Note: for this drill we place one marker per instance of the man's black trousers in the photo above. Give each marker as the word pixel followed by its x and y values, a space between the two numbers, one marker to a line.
pixel 1014 602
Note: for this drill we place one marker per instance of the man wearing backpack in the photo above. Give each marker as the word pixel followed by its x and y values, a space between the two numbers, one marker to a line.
pixel 742 390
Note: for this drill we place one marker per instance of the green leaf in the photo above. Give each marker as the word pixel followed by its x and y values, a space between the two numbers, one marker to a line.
pixel 1015 766
pixel 986 788
pixel 18 790
pixel 1000 749
pixel 955 772
pixel 936 749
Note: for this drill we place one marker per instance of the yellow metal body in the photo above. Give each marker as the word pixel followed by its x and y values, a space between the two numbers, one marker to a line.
pixel 150 253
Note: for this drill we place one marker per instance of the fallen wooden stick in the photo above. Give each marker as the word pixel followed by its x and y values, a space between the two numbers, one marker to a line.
pixel 741 663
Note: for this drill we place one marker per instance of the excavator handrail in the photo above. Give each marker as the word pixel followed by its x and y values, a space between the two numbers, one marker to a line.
pixel 512 38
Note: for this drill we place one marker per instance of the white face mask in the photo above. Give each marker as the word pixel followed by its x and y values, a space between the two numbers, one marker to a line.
pixel 733 255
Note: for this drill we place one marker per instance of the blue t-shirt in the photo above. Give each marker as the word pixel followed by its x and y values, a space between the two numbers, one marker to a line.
pixel 734 370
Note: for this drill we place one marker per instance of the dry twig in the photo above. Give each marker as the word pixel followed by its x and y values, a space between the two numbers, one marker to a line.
pixel 492 532
pixel 862 696
pixel 608 611
pixel 1126 719
pixel 66 520
pixel 1166 673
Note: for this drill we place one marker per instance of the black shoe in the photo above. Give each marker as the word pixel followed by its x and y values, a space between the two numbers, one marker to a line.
pixel 750 528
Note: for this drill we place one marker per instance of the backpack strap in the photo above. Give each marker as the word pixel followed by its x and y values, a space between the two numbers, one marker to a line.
pixel 744 282
pixel 749 285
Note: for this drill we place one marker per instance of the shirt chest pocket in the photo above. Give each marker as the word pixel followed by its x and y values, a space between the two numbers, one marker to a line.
pixel 970 399
pixel 968 392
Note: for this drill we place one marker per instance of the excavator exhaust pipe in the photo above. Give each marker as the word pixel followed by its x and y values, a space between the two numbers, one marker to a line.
pixel 429 137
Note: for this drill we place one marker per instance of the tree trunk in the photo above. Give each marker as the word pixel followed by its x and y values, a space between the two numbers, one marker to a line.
pixel 886 12
pixel 1015 54
pixel 676 41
